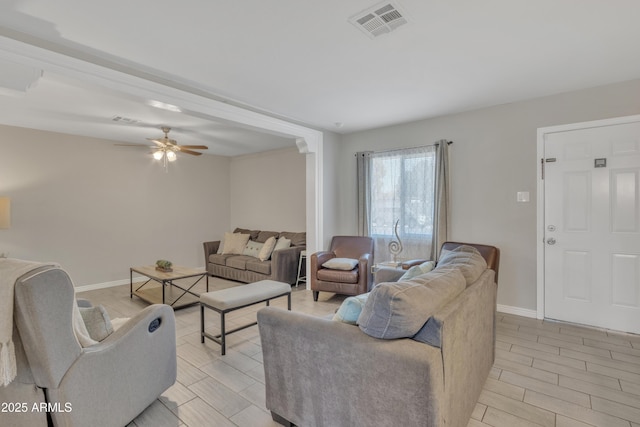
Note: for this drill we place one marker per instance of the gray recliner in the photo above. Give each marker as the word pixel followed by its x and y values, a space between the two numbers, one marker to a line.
pixel 106 384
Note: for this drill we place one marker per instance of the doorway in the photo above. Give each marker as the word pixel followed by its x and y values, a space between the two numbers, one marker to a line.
pixel 589 223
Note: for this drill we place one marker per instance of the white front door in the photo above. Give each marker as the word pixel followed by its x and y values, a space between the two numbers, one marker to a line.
pixel 592 226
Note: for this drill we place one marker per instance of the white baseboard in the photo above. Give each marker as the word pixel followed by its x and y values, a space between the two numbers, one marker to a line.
pixel 524 312
pixel 102 285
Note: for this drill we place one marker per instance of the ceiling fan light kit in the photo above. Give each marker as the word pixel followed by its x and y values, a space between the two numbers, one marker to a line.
pixel 167 148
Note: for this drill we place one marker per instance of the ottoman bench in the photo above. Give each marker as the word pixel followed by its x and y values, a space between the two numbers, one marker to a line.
pixel 228 300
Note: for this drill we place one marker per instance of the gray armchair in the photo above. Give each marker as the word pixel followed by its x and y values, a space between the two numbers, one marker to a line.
pixel 106 384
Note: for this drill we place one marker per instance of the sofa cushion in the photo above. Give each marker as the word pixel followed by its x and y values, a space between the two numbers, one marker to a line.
pixel 219 259
pixel 264 235
pixel 252 248
pixel 297 239
pixel 465 258
pixel 350 309
pixel 234 243
pixel 341 276
pixel 262 267
pixel 239 262
pixel 253 234
pixel 417 270
pixel 267 248
pixel 399 310
pixel 341 264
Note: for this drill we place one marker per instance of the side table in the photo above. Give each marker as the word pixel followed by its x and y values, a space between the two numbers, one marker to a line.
pixel 302 273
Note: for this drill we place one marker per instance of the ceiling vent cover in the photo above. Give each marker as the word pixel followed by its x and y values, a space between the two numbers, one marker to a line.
pixel 125 120
pixel 379 19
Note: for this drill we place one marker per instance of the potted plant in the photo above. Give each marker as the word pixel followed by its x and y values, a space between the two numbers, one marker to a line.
pixel 164 265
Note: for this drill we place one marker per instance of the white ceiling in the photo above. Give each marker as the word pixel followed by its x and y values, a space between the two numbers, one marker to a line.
pixel 304 62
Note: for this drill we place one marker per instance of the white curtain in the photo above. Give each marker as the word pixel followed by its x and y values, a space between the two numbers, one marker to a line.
pixel 400 200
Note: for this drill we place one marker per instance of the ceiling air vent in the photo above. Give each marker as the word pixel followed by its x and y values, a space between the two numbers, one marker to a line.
pixel 125 120
pixel 380 19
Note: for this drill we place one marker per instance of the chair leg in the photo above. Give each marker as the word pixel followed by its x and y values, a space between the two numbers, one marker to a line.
pixel 202 323
pixel 315 295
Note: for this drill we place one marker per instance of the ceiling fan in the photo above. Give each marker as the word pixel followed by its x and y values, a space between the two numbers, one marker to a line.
pixel 165 148
pixel 167 145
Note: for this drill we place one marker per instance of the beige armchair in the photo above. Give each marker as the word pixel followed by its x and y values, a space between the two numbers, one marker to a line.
pixel 348 282
pixel 105 384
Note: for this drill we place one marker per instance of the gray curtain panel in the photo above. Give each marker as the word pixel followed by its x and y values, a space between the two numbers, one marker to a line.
pixel 364 192
pixel 442 211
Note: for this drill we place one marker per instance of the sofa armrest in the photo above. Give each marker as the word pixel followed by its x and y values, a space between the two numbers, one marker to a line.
pixel 314 365
pixel 365 262
pixel 284 264
pixel 387 274
pixel 210 248
pixel 322 257
pixel 412 262
pixel 468 334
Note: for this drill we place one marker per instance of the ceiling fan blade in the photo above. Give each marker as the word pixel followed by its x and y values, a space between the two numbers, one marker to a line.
pixel 197 147
pixel 159 142
pixel 193 153
pixel 131 145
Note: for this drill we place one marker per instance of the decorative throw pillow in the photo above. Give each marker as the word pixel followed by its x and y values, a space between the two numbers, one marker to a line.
pixel 350 309
pixel 465 258
pixel 221 246
pixel 234 243
pixel 400 309
pixel 417 270
pixel 252 248
pixel 97 322
pixel 267 248
pixel 282 243
pixel 341 264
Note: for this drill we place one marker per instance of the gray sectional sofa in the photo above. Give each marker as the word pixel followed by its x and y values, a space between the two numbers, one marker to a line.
pixel 323 372
pixel 282 265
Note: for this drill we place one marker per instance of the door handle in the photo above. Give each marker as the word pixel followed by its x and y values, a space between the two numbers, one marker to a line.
pixel 551 241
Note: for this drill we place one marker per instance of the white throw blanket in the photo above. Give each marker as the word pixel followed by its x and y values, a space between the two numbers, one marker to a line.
pixel 10 271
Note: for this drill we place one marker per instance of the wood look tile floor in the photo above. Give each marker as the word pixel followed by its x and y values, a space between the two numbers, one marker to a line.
pixel 546 373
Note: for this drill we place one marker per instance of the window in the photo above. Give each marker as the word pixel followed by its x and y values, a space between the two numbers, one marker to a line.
pixel 401 190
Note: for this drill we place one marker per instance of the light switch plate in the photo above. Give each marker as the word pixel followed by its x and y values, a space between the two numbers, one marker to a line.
pixel 522 196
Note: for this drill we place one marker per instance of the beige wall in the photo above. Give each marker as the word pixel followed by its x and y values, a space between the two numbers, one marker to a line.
pixel 493 157
pixel 268 191
pixel 98 209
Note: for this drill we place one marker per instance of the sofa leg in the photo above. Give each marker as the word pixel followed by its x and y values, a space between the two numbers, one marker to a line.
pixel 315 295
pixel 280 420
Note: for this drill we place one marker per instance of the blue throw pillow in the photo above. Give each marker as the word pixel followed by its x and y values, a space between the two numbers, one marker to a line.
pixel 350 309
pixel 418 270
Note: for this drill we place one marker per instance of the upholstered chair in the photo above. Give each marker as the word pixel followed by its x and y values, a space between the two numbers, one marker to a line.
pixel 106 384
pixel 342 279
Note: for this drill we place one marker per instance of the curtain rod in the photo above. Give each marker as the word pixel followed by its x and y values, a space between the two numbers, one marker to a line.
pixel 409 148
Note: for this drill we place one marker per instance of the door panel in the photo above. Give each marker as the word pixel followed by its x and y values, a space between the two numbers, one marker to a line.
pixel 577 281
pixel 592 226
